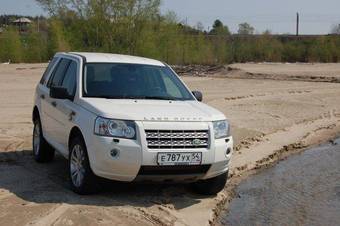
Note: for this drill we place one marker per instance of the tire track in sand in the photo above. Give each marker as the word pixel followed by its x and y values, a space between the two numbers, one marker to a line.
pixel 51 217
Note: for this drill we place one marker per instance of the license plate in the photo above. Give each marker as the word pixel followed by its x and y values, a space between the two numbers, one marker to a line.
pixel 171 159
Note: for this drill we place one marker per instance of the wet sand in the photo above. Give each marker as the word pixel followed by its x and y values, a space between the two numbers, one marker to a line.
pixel 268 117
pixel 302 190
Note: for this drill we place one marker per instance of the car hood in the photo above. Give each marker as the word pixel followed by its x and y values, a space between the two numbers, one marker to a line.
pixel 152 110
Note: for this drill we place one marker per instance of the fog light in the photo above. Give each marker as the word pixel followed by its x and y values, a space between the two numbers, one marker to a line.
pixel 114 153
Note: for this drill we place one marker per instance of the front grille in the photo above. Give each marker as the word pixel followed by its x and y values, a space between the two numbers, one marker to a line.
pixel 177 139
pixel 173 170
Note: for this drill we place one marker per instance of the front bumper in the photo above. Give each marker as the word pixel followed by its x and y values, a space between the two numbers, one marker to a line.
pixel 135 161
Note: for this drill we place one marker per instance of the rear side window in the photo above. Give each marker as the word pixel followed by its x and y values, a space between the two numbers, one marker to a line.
pixel 59 73
pixel 48 70
pixel 69 81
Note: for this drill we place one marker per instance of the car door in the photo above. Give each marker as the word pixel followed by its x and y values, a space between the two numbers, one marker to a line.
pixel 49 105
pixel 65 110
pixel 43 92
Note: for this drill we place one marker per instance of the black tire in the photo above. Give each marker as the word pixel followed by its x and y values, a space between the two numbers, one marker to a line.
pixel 211 186
pixel 42 151
pixel 89 182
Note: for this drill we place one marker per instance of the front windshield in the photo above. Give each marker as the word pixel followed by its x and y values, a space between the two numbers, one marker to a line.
pixel 133 81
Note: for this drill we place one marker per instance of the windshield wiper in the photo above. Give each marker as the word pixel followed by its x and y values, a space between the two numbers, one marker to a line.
pixel 134 97
pixel 159 98
pixel 115 97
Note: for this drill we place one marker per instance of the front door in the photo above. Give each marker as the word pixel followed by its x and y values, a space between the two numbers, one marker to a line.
pixel 57 111
pixel 66 109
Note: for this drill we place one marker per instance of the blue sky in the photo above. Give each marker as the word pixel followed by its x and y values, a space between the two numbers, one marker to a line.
pixel 317 16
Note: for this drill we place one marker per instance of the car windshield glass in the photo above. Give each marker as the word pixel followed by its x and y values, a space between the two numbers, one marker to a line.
pixel 133 81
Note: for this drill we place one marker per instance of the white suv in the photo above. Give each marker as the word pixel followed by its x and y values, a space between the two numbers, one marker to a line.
pixel 128 118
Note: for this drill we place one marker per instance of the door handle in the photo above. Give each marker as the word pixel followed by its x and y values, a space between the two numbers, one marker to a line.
pixel 42 96
pixel 54 104
pixel 71 115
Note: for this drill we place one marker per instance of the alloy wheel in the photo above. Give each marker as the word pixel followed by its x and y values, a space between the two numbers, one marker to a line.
pixel 36 139
pixel 76 165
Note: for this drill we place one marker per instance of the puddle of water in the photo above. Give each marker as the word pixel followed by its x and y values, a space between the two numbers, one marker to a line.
pixel 302 190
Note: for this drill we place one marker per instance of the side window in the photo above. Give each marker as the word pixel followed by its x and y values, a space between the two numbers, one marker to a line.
pixel 48 70
pixel 70 78
pixel 58 74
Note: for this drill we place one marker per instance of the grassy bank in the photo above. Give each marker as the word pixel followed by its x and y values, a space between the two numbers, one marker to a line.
pixel 179 48
pixel 140 28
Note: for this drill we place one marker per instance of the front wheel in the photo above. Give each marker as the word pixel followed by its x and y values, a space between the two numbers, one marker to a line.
pixel 211 186
pixel 42 151
pixel 83 180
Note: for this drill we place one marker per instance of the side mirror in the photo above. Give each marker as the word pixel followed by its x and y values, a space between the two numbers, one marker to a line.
pixel 59 93
pixel 198 95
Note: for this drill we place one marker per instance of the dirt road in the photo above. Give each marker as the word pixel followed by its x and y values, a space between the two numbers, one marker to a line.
pixel 267 116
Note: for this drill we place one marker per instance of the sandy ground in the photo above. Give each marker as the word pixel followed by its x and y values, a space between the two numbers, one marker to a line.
pixel 329 72
pixel 298 69
pixel 268 118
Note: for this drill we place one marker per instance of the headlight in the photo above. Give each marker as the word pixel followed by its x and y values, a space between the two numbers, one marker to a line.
pixel 221 129
pixel 115 128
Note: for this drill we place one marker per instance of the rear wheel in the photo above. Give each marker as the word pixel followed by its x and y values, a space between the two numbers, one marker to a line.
pixel 42 151
pixel 83 180
pixel 211 186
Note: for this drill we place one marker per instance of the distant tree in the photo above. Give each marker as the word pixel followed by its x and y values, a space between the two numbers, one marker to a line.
pixel 200 26
pixel 10 46
pixel 57 39
pixel 35 46
pixel 219 29
pixel 245 29
pixel 170 17
pixel 217 24
pixel 105 25
pixel 267 32
pixel 336 29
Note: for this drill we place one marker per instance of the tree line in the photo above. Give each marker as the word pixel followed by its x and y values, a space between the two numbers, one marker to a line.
pixel 137 27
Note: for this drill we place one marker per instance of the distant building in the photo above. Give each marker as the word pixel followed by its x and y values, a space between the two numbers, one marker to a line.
pixel 22 23
pixel 22 20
